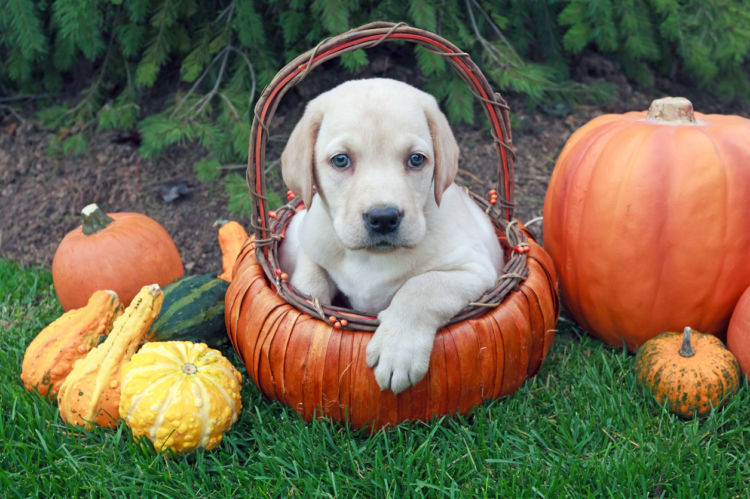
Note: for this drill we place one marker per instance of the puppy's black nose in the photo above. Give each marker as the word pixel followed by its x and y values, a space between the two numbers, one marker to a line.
pixel 383 220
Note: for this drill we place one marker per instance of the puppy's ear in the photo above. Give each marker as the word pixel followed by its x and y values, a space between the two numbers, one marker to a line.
pixel 445 146
pixel 297 160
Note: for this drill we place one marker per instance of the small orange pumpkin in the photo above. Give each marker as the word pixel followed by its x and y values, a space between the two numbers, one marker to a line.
pixel 691 371
pixel 646 220
pixel 738 333
pixel 118 251
pixel 51 355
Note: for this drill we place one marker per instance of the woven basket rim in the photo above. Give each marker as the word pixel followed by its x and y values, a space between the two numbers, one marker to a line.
pixel 514 272
pixel 269 226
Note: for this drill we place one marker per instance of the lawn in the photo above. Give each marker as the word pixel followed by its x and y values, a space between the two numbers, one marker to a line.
pixel 582 426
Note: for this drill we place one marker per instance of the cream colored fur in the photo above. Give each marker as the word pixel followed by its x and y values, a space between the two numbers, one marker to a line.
pixel 444 252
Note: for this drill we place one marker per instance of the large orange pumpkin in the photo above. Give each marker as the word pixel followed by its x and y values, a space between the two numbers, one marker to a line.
pixel 738 333
pixel 646 218
pixel 118 251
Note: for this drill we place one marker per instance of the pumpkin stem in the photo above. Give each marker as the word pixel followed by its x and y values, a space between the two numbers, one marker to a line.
pixel 686 350
pixel 671 111
pixel 93 219
pixel 189 368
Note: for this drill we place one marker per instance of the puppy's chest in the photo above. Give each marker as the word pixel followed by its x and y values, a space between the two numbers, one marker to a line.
pixel 369 286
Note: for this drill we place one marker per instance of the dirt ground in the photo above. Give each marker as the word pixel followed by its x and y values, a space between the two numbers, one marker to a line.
pixel 41 195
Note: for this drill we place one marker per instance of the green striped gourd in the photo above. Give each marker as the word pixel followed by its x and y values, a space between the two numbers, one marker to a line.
pixel 193 310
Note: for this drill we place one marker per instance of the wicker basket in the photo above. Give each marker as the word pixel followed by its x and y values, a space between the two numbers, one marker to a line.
pixel 311 356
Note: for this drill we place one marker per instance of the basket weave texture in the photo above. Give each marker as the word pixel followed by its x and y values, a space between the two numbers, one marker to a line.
pixel 311 356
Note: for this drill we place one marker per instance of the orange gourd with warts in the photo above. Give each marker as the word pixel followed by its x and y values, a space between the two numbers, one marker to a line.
pixel 691 372
pixel 50 356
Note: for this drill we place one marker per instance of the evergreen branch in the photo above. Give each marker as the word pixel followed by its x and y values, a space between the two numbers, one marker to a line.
pixel 79 21
pixel 493 51
pixel 497 55
pixel 12 111
pixel 109 48
pixel 128 76
pixel 196 84
pixel 497 31
pixel 271 165
pixel 253 81
pixel 228 11
pixel 230 105
pixel 198 107
pixel 25 27
pixel 16 97
pixel 158 50
pixel 240 166
pixel 203 101
pixel 515 68
pixel 90 93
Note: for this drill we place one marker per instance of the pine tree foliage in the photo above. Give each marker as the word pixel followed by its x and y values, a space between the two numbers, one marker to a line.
pixel 23 42
pixel 207 61
pixel 333 14
pixel 711 39
pixel 80 23
pixel 167 35
pixel 706 43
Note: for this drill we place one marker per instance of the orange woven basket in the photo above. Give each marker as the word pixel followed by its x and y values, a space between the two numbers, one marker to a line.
pixel 311 356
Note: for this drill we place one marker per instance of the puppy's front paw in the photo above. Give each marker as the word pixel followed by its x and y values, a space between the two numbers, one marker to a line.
pixel 401 358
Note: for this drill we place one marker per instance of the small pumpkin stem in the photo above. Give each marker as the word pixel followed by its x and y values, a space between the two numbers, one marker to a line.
pixel 671 111
pixel 93 219
pixel 686 350
pixel 189 368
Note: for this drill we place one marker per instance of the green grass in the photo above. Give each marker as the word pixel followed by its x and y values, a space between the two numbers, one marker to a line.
pixel 581 427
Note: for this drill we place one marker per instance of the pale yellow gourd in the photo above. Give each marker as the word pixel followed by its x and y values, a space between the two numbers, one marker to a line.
pixel 91 392
pixel 179 394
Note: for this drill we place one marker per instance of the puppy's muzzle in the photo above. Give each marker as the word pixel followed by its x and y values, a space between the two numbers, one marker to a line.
pixel 383 221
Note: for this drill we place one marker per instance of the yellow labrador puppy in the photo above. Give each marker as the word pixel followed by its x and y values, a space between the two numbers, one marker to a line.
pixel 374 161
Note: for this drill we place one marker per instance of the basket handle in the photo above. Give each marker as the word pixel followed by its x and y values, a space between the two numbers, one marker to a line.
pixel 368 36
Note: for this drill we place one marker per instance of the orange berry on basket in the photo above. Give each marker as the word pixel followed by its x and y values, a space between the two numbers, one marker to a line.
pixel 272 214
pixel 284 276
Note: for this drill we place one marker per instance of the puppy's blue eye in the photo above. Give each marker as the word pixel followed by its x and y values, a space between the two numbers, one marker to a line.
pixel 416 160
pixel 341 161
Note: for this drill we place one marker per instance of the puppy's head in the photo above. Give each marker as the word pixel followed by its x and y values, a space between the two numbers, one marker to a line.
pixel 377 151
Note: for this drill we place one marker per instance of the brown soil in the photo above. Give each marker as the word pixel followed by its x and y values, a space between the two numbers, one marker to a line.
pixel 41 196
